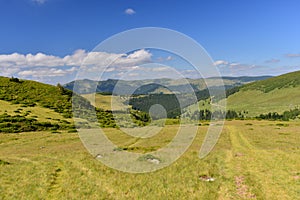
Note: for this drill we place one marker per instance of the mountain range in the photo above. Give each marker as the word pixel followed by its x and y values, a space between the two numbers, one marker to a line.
pixel 152 86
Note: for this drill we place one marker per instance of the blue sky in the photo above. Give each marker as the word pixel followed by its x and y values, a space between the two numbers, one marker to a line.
pixel 243 37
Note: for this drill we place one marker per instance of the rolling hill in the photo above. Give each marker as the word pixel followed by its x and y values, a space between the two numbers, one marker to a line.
pixel 32 106
pixel 276 94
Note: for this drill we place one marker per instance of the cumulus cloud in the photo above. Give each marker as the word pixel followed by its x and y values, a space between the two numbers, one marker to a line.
pixel 39 59
pixel 148 71
pixel 164 59
pixel 42 65
pixel 76 59
pixel 129 11
pixel 40 72
pixel 220 62
pixel 96 61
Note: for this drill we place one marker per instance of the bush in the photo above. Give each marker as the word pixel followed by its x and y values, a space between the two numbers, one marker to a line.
pixel 72 131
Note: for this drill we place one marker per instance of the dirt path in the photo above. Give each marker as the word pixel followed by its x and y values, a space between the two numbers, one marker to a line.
pixel 254 170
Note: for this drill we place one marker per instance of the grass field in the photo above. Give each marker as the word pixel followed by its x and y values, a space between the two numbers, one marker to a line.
pixel 252 160
pixel 105 101
pixel 257 102
pixel 40 113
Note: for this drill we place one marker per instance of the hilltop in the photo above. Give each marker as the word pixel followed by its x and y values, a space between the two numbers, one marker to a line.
pixel 32 106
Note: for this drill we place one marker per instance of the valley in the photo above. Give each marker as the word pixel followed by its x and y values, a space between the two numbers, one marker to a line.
pixel 42 156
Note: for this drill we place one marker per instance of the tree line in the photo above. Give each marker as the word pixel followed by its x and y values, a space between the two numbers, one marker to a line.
pixel 286 116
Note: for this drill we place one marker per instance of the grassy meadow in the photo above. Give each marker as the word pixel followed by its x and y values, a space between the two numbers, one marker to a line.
pixel 104 101
pixel 252 160
pixel 256 102
pixel 42 158
pixel 40 113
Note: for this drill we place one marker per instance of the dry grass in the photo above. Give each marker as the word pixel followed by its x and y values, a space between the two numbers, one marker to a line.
pixel 105 101
pixel 57 166
pixel 40 113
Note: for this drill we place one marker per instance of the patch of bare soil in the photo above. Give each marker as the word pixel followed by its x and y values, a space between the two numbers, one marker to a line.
pixel 242 188
pixel 239 154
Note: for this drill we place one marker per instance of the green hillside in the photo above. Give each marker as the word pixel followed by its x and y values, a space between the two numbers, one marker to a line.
pixel 30 94
pixel 32 106
pixel 276 94
pixel 289 80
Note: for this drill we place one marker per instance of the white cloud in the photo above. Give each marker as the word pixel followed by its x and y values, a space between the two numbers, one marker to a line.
pixel 43 72
pixel 160 69
pixel 220 62
pixel 80 56
pixel 20 60
pixel 129 11
pixel 164 59
pixel 234 64
pixel 42 65
pixel 39 1
pixel 148 71
pixel 169 58
pixel 227 68
pixel 76 58
pixel 96 61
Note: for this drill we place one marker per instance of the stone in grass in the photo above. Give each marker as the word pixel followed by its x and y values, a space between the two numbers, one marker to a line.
pixel 150 158
pixel 206 178
pixel 155 161
pixel 98 156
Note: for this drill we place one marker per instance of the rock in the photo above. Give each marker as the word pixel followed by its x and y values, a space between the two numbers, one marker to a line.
pixel 207 178
pixel 153 160
pixel 210 179
pixel 99 156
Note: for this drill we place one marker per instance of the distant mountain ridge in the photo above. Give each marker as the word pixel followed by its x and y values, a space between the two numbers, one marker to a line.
pixel 151 86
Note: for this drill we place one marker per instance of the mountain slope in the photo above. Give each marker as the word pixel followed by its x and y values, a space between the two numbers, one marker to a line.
pixel 276 94
pixel 32 106
pixel 288 80
pixel 30 93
